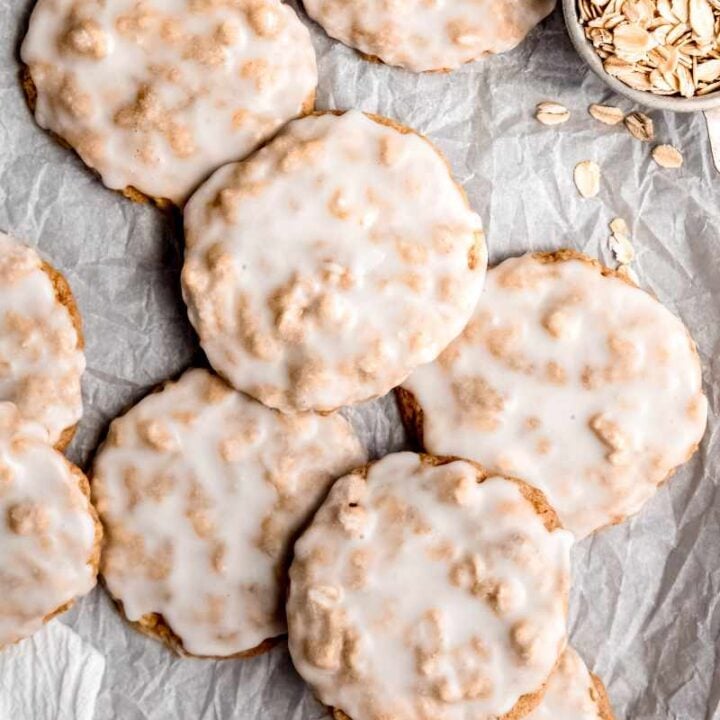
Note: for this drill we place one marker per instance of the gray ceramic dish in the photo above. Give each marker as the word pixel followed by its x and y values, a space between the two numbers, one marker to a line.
pixel 709 103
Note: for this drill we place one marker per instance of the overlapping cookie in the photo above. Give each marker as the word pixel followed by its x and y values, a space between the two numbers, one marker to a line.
pixel 41 355
pixel 49 532
pixel 573 693
pixel 155 95
pixel 201 491
pixel 425 588
pixel 423 35
pixel 571 378
pixel 323 269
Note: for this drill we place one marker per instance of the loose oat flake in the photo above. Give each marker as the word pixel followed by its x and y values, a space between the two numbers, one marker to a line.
pixel 622 248
pixel 667 47
pixel 607 114
pixel 621 245
pixel 551 113
pixel 619 227
pixel 640 126
pixel 667 156
pixel 627 272
pixel 587 178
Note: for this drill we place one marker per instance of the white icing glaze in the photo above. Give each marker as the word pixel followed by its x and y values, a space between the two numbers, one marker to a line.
pixel 570 693
pixel 322 270
pixel 40 359
pixel 155 94
pixel 425 35
pixel 580 384
pixel 420 594
pixel 47 533
pixel 201 490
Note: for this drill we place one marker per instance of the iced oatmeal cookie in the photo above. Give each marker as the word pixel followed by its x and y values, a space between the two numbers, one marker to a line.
pixel 323 269
pixel 426 588
pixel 201 491
pixel 41 342
pixel 570 377
pixel 156 94
pixel 424 35
pixel 49 532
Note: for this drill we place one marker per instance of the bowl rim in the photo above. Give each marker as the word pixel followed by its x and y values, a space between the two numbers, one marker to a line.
pixel 642 97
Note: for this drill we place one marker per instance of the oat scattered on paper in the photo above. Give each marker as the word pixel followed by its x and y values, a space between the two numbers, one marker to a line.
pixel 640 126
pixel 622 249
pixel 667 156
pixel 587 178
pixel 667 47
pixel 629 273
pixel 619 227
pixel 551 113
pixel 607 114
pixel 620 243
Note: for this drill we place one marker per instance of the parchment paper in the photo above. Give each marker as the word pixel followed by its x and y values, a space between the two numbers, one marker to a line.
pixel 644 611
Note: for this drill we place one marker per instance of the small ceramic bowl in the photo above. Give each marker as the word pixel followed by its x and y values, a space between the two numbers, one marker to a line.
pixel 587 52
pixel 709 104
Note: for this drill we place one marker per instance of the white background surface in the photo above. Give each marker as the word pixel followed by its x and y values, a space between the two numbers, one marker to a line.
pixel 644 611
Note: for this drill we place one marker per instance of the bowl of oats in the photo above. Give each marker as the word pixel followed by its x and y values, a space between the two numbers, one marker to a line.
pixel 664 54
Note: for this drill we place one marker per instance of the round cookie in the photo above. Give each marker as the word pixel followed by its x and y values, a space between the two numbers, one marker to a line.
pixel 425 36
pixel 41 342
pixel 322 270
pixel 49 533
pixel 425 588
pixel 571 378
pixel 202 491
pixel 156 95
pixel 573 693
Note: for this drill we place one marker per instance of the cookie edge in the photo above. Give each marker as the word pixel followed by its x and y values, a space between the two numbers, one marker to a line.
pixel 64 295
pixel 93 560
pixel 603 701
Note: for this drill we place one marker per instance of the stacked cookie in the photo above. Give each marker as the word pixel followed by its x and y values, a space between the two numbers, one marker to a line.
pixel 49 532
pixel 201 488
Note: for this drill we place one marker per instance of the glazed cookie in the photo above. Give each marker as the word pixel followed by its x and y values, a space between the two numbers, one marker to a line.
pixel 322 270
pixel 154 95
pixel 425 588
pixel 49 532
pixel 571 378
pixel 421 35
pixel 573 693
pixel 201 491
pixel 41 356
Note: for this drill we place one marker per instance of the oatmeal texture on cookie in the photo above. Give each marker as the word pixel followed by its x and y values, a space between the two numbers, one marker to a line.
pixel 41 361
pixel 47 529
pixel 201 491
pixel 424 591
pixel 322 270
pixel 425 35
pixel 571 693
pixel 572 379
pixel 155 94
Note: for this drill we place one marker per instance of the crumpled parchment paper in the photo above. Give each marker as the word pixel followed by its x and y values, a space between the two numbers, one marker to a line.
pixel 644 612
